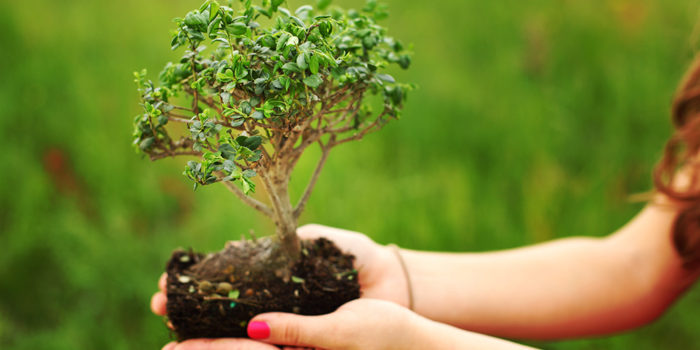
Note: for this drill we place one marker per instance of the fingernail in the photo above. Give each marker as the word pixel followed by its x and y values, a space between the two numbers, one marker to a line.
pixel 258 330
pixel 170 346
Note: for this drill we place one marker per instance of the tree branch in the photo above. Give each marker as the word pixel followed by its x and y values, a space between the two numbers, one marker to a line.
pixel 314 177
pixel 179 119
pixel 155 157
pixel 361 133
pixel 350 111
pixel 250 201
pixel 181 108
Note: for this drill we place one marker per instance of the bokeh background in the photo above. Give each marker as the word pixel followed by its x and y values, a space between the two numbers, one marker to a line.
pixel 534 120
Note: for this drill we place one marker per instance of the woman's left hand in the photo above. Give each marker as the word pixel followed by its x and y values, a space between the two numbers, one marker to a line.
pixel 360 324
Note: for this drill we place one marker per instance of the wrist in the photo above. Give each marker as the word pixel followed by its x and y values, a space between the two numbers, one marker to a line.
pixel 431 334
pixel 395 277
pixel 406 275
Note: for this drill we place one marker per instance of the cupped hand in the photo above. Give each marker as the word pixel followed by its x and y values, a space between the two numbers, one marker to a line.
pixel 360 324
pixel 379 271
pixel 367 324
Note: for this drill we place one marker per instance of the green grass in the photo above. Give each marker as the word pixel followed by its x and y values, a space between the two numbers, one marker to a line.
pixel 534 120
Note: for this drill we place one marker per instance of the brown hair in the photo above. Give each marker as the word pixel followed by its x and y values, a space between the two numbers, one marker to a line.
pixel 682 150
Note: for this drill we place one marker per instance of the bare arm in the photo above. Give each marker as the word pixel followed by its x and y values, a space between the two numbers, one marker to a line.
pixel 562 289
pixel 567 288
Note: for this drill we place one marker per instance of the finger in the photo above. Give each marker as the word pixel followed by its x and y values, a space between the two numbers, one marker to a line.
pixel 223 344
pixel 158 302
pixel 162 282
pixel 295 330
pixel 310 231
pixel 346 240
pixel 355 243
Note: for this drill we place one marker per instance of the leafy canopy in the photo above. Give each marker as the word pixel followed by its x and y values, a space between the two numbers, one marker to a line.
pixel 258 85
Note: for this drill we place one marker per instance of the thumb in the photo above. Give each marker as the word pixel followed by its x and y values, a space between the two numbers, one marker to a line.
pixel 296 330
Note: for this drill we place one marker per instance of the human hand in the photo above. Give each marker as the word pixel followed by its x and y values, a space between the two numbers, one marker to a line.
pixel 367 324
pixel 159 299
pixel 158 302
pixel 379 271
pixel 360 324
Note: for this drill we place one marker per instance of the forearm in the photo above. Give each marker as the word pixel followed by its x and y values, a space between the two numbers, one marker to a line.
pixel 510 293
pixel 562 289
pixel 434 335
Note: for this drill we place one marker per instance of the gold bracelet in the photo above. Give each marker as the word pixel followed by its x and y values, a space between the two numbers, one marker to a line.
pixel 396 251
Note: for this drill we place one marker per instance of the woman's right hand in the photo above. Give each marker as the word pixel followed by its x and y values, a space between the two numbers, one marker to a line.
pixel 379 271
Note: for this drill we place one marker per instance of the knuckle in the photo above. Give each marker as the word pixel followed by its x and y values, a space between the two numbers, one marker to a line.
pixel 292 335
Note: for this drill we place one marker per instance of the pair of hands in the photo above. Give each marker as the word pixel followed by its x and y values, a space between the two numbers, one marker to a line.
pixel 377 321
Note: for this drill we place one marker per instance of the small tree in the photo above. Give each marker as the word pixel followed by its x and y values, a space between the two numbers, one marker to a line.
pixel 257 87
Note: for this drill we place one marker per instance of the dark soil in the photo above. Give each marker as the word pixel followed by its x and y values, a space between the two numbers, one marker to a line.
pixel 219 302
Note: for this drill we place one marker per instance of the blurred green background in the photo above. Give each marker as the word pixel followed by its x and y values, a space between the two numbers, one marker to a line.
pixel 534 120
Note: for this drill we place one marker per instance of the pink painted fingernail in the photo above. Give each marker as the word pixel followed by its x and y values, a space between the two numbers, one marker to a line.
pixel 258 330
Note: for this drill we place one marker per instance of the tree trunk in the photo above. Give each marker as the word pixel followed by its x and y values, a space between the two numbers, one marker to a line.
pixel 285 220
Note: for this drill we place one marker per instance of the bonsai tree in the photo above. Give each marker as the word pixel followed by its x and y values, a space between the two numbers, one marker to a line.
pixel 255 88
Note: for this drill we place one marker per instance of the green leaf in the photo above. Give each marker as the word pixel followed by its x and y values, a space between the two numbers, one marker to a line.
pixel 237 28
pixel 313 64
pixel 301 61
pixel 257 155
pixel 146 143
pixel 225 76
pixel 213 10
pixel 304 8
pixel 237 122
pixel 234 294
pixel 282 41
pixel 251 143
pixel 313 81
pixel 386 77
pixel 298 21
pixel 285 81
pixel 284 11
pixel 292 41
pixel 296 279
pixel 229 112
pixel 291 67
pixel 326 28
pixel 404 61
pixel 246 107
pixel 257 115
pixel 229 166
pixel 241 71
pixel 213 28
pixel 227 151
pixel 196 20
pixel 246 186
